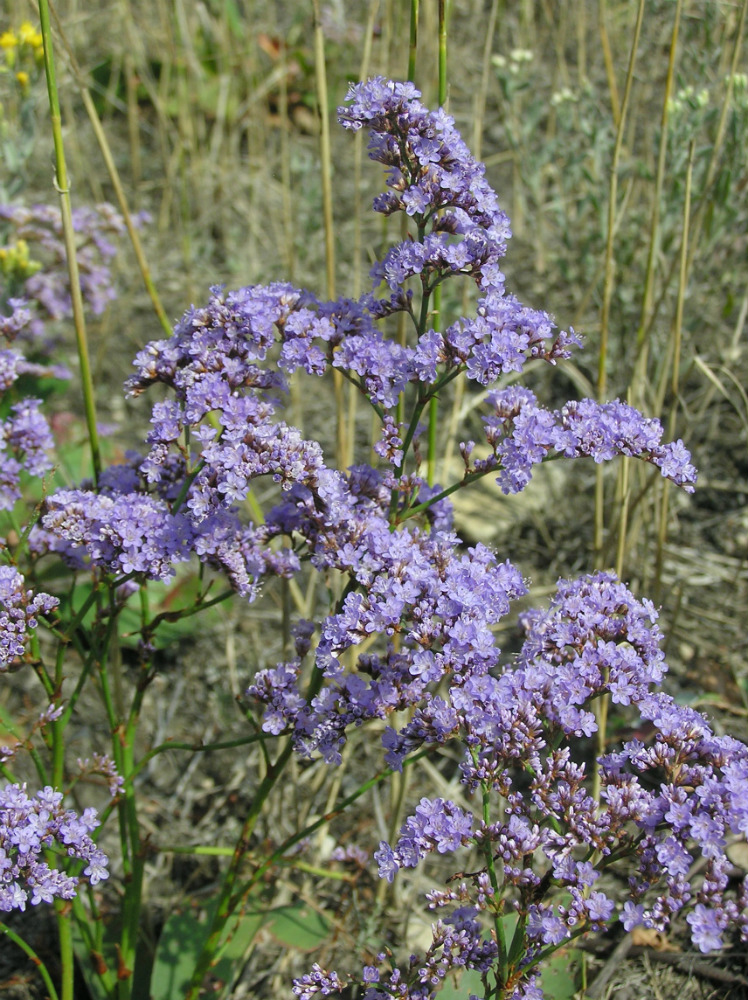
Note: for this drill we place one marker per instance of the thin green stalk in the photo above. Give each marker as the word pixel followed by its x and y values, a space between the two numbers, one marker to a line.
pixel 413 41
pixel 608 60
pixel 90 927
pixel 675 375
pixel 479 113
pixel 466 480
pixel 226 897
pixel 325 148
pixel 608 284
pixel 488 854
pixel 63 188
pixel 327 214
pixel 357 215
pixel 654 243
pixel 64 913
pixel 209 851
pixel 231 891
pixel 442 53
pixel 41 770
pixel 38 964
pixel 134 889
pixel 434 402
pixel 277 856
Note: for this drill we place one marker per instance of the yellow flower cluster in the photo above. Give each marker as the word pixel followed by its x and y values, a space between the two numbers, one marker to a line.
pixel 21 50
pixel 16 263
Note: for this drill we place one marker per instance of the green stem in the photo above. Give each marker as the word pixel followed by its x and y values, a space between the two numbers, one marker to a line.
pixel 192 747
pixel 62 185
pixel 39 965
pixel 277 855
pixel 229 896
pixel 413 44
pixel 84 674
pixel 90 929
pixel 491 868
pixel 64 914
pixel 204 850
pixel 433 402
pixel 467 479
pixel 134 888
pixel 32 752
pixel 226 897
pixel 106 153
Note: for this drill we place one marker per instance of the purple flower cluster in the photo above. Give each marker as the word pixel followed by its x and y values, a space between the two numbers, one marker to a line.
pixel 523 433
pixel 438 825
pixel 430 169
pixel 123 534
pixel 433 177
pixel 103 765
pixel 457 944
pixel 663 803
pixel 126 531
pixel 19 608
pixel 29 828
pixel 422 607
pixel 25 439
pixel 442 605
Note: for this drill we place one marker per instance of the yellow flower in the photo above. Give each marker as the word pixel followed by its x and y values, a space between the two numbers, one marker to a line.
pixel 15 261
pixel 8 40
pixel 29 35
pixel 23 79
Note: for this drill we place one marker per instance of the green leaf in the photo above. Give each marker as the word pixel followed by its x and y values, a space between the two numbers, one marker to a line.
pixel 105 960
pixel 298 925
pixel 558 975
pixel 181 942
pixel 459 986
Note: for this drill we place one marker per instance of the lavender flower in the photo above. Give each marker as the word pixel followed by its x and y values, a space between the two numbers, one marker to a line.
pixel 124 534
pixel 522 434
pixel 103 765
pixel 662 804
pixel 25 439
pixel 19 609
pixel 429 166
pixel 29 828
pixel 437 825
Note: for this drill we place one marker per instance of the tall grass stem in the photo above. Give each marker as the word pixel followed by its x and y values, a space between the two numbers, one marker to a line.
pixel 114 177
pixel 675 373
pixel 63 187
pixel 610 73
pixel 602 378
pixel 413 40
pixel 645 325
pixel 601 708
pixel 320 76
